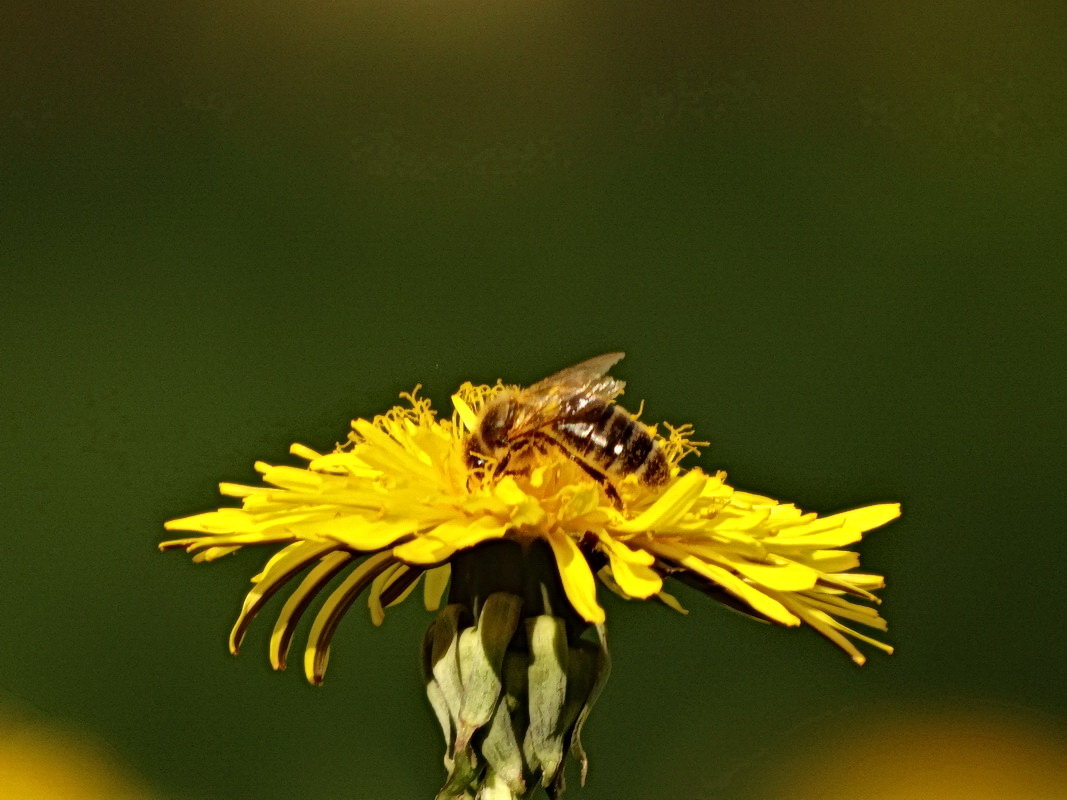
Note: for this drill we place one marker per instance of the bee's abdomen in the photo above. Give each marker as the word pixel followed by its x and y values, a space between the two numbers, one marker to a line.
pixel 610 438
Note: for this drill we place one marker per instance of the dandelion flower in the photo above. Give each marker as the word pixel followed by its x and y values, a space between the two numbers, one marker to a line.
pixel 516 657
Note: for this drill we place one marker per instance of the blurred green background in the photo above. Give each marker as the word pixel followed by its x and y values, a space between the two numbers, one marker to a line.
pixel 832 236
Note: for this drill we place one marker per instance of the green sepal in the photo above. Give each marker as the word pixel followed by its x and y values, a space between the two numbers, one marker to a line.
pixel 603 671
pixel 464 775
pixel 441 662
pixel 481 655
pixel 501 751
pixel 547 692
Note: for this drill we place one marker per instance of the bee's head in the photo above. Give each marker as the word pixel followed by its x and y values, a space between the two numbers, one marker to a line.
pixel 490 438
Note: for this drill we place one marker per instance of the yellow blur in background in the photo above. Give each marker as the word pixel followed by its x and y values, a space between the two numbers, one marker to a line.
pixel 949 755
pixel 953 754
pixel 45 762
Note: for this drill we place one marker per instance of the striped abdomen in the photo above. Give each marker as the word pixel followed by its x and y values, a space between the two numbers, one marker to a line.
pixel 608 438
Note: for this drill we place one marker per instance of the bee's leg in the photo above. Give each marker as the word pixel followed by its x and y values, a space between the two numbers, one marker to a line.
pixel 609 487
pixel 602 479
pixel 599 477
pixel 475 467
pixel 502 465
pixel 541 440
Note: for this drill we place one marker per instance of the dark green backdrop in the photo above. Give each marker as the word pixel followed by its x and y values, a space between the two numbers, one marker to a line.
pixel 830 236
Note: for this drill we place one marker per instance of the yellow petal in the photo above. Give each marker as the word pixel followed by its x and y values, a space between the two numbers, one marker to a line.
pixel 448 537
pixel 823 624
pixel 606 578
pixel 786 576
pixel 748 498
pixel 288 517
pixel 577 578
pixel 625 552
pixel 582 502
pixel 833 560
pixel 345 463
pixel 317 653
pixel 293 478
pixel 225 520
pixel 843 535
pixel 303 451
pixel 764 604
pixel 435 583
pixel 240 490
pixel 282 567
pixel 412 584
pixel 670 507
pixel 833 630
pixel 466 414
pixel 509 492
pixel 843 528
pixel 537 477
pixel 194 543
pixel 852 583
pixel 862 580
pixel 361 533
pixel 282 635
pixel 831 604
pixel 213 553
pixel 870 517
pixel 378 585
pixel 387 452
pixel 716 487
pixel 523 508
pixel 634 579
pixel 671 601
pixel 631 569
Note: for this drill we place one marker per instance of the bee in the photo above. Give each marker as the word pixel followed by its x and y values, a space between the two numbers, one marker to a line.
pixel 572 412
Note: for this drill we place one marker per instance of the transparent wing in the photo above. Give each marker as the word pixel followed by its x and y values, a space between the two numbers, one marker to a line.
pixel 589 375
pixel 566 393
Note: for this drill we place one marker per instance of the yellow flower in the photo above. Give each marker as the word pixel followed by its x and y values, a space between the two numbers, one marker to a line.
pixel 394 504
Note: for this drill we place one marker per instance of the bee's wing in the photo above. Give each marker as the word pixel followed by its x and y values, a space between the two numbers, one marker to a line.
pixel 567 392
pixel 587 376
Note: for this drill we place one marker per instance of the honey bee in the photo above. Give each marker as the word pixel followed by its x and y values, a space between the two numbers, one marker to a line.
pixel 573 412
